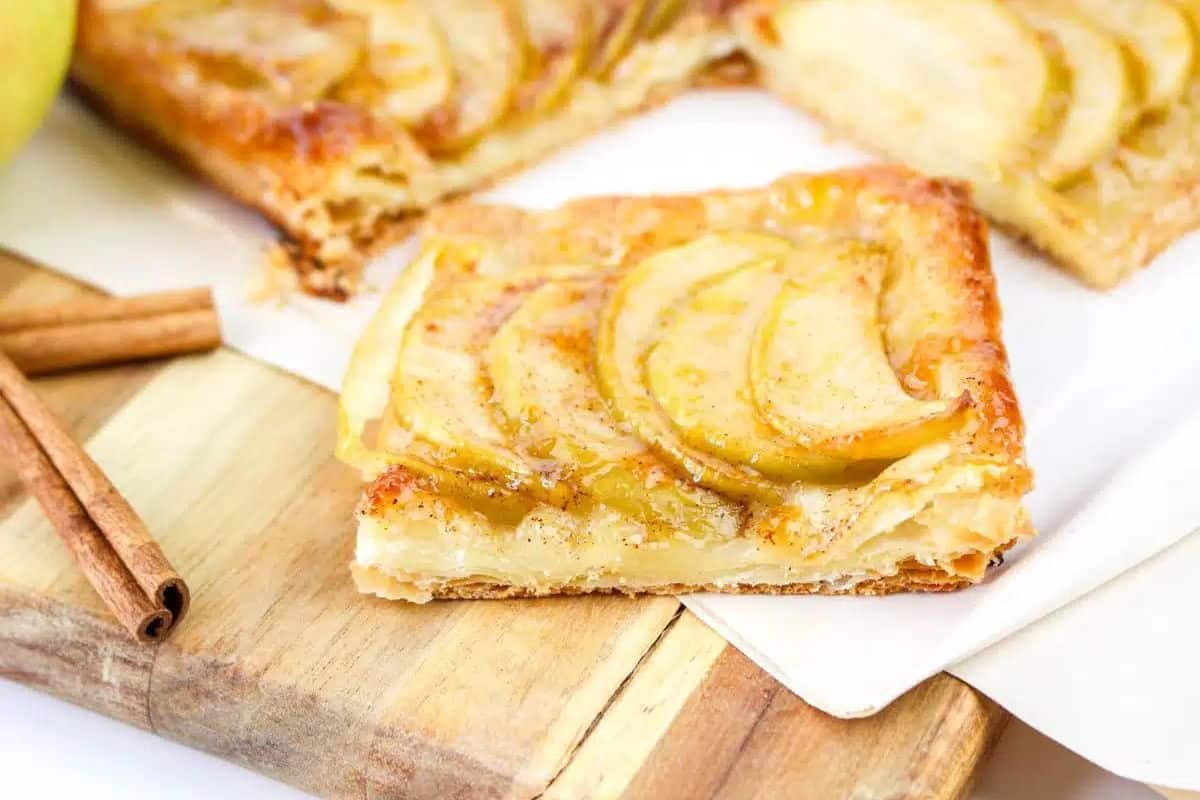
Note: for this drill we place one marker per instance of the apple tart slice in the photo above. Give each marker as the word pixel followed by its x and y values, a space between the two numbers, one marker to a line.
pixel 795 389
pixel 1075 121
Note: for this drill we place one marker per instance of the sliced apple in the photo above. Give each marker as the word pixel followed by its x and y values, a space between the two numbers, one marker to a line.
pixel 1191 10
pixel 407 72
pixel 487 48
pixel 616 25
pixel 494 500
pixel 628 327
pixel 1160 39
pixel 540 363
pixel 441 393
pixel 698 371
pixel 820 374
pixel 660 16
pixel 1102 93
pixel 962 88
pixel 282 55
pixel 561 38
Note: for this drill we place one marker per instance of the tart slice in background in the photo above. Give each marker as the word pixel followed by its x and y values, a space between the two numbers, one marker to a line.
pixel 1074 121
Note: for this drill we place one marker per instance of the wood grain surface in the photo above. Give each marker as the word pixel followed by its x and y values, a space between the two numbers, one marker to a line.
pixel 282 667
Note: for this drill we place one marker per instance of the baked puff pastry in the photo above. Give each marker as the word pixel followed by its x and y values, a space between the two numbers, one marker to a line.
pixel 1077 122
pixel 339 119
pixel 798 389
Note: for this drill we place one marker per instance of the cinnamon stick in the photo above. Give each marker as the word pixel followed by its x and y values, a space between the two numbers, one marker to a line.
pixel 106 309
pixel 108 330
pixel 103 532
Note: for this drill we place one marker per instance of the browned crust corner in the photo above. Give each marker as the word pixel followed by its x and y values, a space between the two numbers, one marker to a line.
pixel 134 76
pixel 271 161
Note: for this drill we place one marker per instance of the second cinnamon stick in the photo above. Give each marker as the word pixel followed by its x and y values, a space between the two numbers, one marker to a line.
pixel 105 309
pixel 39 351
pixel 108 330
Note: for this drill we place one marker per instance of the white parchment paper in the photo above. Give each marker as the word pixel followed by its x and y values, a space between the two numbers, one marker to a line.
pixel 1107 382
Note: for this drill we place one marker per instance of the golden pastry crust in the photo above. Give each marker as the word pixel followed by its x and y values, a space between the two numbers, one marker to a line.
pixel 949 345
pixel 395 585
pixel 275 160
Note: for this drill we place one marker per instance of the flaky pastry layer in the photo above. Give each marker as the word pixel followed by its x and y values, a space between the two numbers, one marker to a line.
pixel 417 546
pixel 415 589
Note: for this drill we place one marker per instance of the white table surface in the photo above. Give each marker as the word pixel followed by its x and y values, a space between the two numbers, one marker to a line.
pixel 51 750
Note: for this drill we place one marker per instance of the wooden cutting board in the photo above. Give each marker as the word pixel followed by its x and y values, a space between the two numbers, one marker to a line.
pixel 283 668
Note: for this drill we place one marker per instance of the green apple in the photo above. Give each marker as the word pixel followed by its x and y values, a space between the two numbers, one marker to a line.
pixel 35 47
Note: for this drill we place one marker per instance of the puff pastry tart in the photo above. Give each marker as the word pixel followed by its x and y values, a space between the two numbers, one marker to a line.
pixel 795 389
pixel 340 118
pixel 1076 121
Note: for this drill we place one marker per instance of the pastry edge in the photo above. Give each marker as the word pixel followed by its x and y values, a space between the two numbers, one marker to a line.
pixel 372 580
